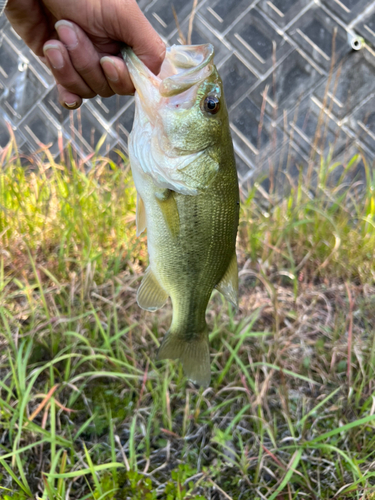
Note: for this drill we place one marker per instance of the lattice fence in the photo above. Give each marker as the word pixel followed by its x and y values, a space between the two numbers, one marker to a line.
pixel 275 58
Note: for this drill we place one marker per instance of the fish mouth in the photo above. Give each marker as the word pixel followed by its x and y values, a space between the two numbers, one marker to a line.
pixel 184 67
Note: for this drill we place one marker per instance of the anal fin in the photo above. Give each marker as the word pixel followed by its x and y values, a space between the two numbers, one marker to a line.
pixel 228 285
pixel 140 216
pixel 151 296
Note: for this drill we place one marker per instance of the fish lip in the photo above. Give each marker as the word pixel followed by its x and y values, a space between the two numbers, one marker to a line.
pixel 145 82
pixel 178 73
pixel 138 71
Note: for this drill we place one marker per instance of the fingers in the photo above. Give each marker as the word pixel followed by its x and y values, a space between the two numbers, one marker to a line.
pixel 64 71
pixel 117 75
pixel 84 57
pixel 76 59
pixel 75 64
pixel 67 99
pixel 77 67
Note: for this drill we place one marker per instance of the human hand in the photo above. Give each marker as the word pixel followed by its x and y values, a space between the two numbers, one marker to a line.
pixel 80 41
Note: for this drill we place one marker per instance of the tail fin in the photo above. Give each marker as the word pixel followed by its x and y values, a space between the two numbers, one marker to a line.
pixel 193 354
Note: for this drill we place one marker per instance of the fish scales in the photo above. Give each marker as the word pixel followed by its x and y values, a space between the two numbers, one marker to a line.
pixel 183 167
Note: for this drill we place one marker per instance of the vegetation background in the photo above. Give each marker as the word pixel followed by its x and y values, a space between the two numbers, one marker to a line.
pixel 86 412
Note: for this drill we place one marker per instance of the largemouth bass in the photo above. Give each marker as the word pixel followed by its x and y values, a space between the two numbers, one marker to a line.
pixel 183 166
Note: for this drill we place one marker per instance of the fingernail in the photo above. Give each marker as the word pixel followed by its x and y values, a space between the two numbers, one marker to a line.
pixel 109 68
pixel 67 34
pixel 71 105
pixel 54 55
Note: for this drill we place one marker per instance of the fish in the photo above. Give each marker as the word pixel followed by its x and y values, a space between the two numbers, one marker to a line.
pixel 183 166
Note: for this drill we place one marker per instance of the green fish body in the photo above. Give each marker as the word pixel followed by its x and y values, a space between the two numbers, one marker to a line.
pixel 183 167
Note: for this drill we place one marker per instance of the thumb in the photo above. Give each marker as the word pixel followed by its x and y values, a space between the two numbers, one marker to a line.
pixel 129 25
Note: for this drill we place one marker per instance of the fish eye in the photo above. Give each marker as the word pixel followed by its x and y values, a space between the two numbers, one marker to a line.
pixel 211 104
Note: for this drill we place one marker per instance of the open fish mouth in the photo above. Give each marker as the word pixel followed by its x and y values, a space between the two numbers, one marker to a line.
pixel 184 67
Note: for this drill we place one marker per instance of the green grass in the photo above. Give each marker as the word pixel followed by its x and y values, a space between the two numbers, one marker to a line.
pixel 85 410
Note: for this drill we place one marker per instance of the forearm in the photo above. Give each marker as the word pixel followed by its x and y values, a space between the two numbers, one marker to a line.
pixel 2 5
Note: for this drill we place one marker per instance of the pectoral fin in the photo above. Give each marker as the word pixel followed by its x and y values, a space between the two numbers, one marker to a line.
pixel 140 216
pixel 168 206
pixel 228 285
pixel 151 296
